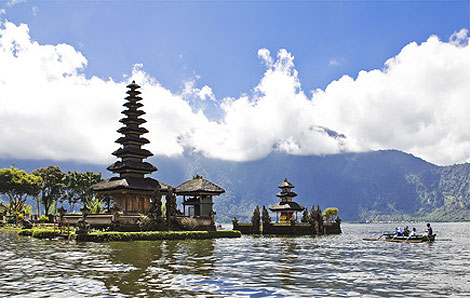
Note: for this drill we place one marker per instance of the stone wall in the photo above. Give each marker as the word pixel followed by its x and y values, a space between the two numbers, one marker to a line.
pixel 291 228
pixel 130 223
pixel 246 228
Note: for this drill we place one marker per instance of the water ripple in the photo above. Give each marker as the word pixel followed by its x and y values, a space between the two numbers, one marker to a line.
pixel 251 266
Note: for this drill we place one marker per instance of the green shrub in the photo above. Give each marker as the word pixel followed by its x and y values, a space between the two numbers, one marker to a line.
pixel 39 233
pixel 25 232
pixel 330 214
pixel 45 233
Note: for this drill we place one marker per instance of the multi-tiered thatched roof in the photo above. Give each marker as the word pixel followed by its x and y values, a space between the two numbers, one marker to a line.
pixel 131 168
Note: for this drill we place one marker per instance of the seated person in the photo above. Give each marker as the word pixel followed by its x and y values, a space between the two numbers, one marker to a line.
pixel 428 231
pixel 398 233
pixel 412 234
pixel 406 231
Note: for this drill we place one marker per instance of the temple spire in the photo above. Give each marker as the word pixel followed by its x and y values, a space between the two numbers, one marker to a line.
pixel 131 152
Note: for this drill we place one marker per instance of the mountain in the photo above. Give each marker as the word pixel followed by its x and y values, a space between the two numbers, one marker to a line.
pixel 371 186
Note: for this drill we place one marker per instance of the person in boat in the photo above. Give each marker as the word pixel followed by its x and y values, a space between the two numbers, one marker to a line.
pixel 412 234
pixel 398 233
pixel 429 230
pixel 406 231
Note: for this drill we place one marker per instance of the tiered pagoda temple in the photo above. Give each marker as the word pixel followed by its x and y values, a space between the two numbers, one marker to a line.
pixel 131 191
pixel 311 223
pixel 286 207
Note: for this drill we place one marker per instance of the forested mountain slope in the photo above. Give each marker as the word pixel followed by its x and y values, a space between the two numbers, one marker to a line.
pixel 371 186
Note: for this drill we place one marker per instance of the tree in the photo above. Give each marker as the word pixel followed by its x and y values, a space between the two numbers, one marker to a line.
pixel 313 215
pixel 305 216
pixel 266 217
pixel 330 214
pixel 17 185
pixel 53 188
pixel 78 187
pixel 94 204
pixel 256 217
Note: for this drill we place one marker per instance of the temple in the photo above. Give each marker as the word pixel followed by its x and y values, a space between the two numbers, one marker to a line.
pixel 312 223
pixel 131 191
pixel 137 196
pixel 286 207
pixel 199 192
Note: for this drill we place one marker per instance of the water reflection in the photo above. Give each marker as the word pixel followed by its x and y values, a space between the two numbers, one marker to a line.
pixel 152 266
pixel 339 266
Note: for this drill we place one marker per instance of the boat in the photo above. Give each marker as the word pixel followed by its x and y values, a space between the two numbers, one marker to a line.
pixel 389 237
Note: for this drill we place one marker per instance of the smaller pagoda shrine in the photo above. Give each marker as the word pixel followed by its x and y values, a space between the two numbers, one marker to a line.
pixel 311 224
pixel 132 191
pixel 197 197
pixel 286 207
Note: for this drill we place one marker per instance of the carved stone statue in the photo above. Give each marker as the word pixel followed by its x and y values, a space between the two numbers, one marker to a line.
pixel 171 208
pixel 82 223
pixel 62 220
pixel 26 223
pixel 155 211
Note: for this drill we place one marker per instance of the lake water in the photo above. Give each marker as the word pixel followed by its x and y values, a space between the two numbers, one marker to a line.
pixel 251 266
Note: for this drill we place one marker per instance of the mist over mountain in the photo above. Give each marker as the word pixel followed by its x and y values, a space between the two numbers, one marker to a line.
pixel 371 186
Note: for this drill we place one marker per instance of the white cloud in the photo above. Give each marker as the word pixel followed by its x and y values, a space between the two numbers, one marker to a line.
pixel 14 2
pixel 265 55
pixel 206 93
pixel 277 117
pixel 35 10
pixel 3 11
pixel 333 62
pixel 418 103
pixel 190 91
pixel 459 38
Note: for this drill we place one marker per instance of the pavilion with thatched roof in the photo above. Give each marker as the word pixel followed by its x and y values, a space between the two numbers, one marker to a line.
pixel 197 196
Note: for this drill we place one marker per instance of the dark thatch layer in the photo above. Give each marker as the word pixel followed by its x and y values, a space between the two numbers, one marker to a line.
pixel 286 206
pixel 122 152
pixel 132 120
pixel 198 186
pixel 289 194
pixel 286 183
pixel 135 112
pixel 132 166
pixel 135 130
pixel 130 183
pixel 128 139
pixel 134 105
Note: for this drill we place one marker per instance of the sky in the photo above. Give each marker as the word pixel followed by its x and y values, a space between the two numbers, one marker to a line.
pixel 236 80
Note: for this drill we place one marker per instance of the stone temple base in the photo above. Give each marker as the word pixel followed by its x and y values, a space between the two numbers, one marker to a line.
pixel 131 222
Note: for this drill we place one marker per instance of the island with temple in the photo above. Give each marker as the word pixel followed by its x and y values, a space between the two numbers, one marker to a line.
pixel 287 222
pixel 140 202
